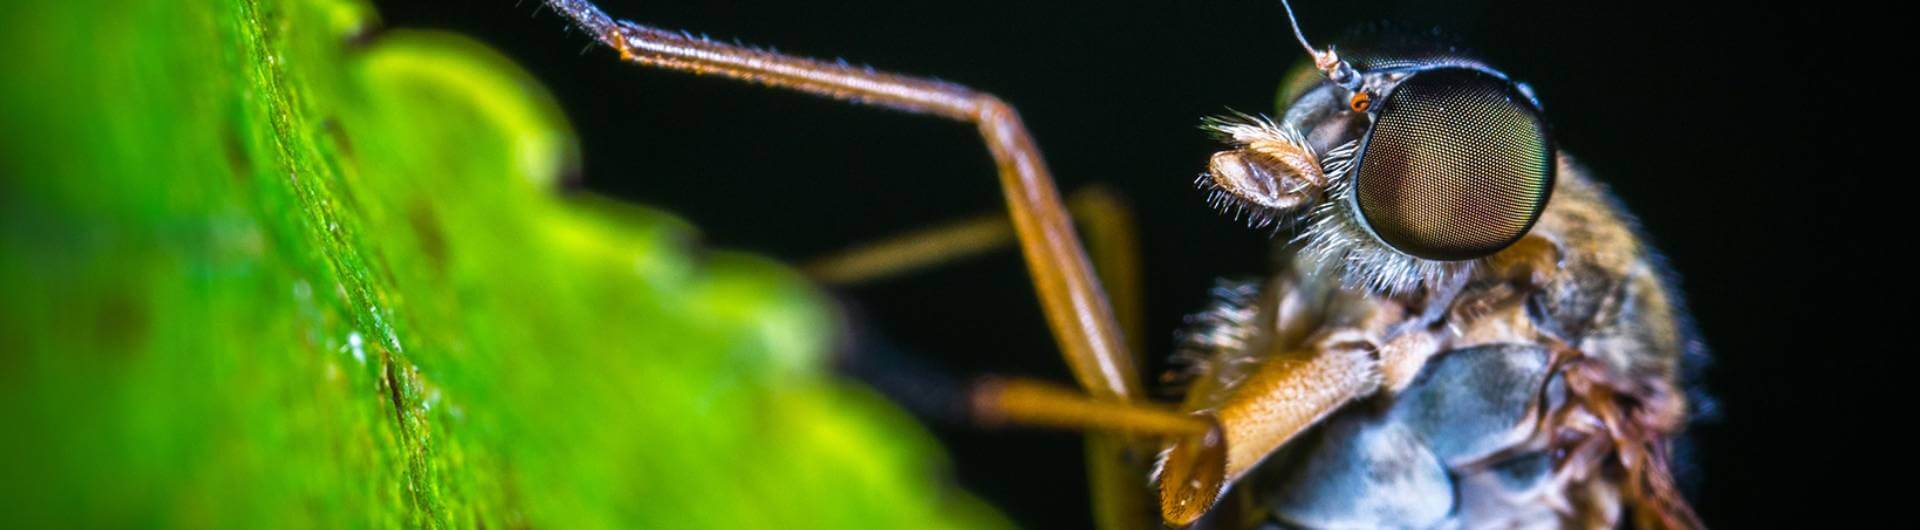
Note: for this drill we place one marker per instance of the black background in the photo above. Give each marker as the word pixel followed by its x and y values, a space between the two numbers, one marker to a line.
pixel 1729 129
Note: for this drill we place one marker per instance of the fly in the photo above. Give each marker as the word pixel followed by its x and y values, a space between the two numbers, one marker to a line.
pixel 1465 332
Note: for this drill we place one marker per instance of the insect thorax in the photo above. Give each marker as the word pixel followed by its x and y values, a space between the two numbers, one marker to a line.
pixel 1473 390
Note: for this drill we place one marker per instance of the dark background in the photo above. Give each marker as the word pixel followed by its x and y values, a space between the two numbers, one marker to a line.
pixel 1729 129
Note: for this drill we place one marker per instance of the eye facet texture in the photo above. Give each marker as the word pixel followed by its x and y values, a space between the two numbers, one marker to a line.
pixel 1457 166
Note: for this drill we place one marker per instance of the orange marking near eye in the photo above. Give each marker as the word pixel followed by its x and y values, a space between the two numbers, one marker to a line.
pixel 1360 102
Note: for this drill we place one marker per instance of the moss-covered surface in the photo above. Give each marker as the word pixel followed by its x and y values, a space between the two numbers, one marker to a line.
pixel 263 267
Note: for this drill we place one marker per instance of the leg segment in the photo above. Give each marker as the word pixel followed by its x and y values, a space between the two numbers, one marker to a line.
pixel 1102 216
pixel 1030 402
pixel 1635 421
pixel 1287 394
pixel 1291 388
pixel 906 253
pixel 1077 309
pixel 1114 448
pixel 1114 239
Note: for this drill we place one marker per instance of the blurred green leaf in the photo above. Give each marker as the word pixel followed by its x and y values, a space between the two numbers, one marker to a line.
pixel 262 266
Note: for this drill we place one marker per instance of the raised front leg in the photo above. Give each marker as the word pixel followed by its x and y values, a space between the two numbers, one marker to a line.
pixel 1076 306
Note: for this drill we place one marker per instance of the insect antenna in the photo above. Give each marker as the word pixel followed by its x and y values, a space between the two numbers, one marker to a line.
pixel 1295 21
pixel 1327 62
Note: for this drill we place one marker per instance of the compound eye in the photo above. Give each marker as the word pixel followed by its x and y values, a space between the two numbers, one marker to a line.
pixel 1456 166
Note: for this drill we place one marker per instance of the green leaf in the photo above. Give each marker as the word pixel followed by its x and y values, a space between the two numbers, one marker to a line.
pixel 262 266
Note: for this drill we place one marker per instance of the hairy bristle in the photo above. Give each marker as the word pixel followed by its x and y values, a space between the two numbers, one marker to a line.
pixel 1217 335
pixel 1331 236
pixel 1334 241
pixel 1240 128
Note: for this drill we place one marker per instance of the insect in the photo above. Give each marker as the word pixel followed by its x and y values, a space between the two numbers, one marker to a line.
pixel 1466 331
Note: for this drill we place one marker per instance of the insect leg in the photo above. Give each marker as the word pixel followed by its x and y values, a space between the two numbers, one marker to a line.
pixel 1289 392
pixel 1102 216
pixel 1029 402
pixel 1113 469
pixel 1637 426
pixel 1118 501
pixel 1077 308
pixel 910 252
pixel 1114 240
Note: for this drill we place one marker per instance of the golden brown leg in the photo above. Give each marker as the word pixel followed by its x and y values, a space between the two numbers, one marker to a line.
pixel 1102 216
pixel 1289 392
pixel 1115 464
pixel 1114 239
pixel 1076 307
pixel 1028 402
pixel 906 253
pixel 1115 456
